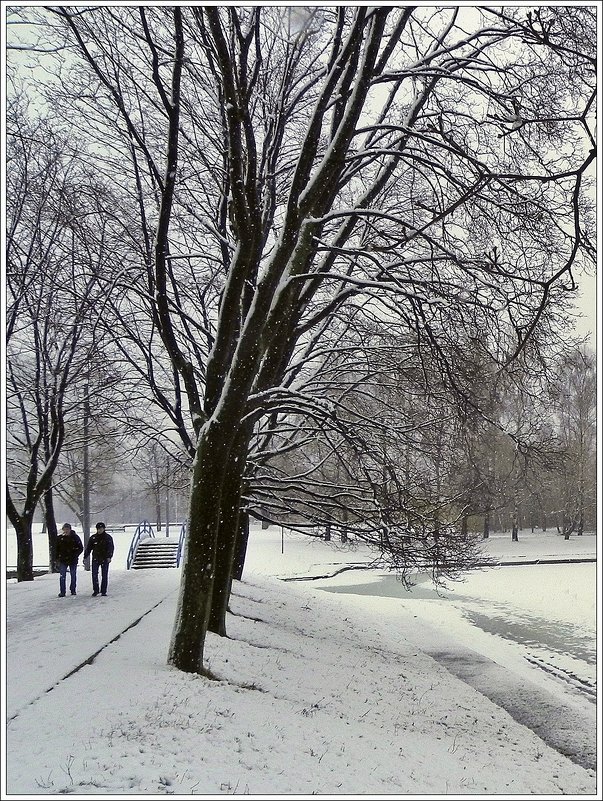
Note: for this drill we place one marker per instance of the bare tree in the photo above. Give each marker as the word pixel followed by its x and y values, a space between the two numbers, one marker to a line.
pixel 321 238
pixel 423 167
pixel 575 399
pixel 52 289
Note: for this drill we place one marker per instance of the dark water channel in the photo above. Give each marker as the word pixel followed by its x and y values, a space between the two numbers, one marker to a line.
pixel 512 623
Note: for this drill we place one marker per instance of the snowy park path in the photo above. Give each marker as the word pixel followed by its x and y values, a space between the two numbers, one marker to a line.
pixel 55 637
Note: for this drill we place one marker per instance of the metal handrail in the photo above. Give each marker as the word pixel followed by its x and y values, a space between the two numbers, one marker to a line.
pixel 180 544
pixel 144 530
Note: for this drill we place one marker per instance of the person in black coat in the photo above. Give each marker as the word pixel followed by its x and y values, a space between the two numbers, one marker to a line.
pixel 69 547
pixel 101 546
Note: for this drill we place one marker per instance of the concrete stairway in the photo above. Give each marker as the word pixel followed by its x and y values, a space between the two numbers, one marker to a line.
pixel 156 552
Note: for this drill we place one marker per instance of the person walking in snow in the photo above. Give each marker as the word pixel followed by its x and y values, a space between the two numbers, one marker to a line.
pixel 69 547
pixel 101 546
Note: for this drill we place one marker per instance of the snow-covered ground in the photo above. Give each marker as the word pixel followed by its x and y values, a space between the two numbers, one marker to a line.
pixel 343 686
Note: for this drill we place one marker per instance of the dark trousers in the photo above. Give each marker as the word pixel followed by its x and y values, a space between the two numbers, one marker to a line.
pixel 104 569
pixel 63 567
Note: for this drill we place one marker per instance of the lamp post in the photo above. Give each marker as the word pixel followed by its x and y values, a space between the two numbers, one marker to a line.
pixel 86 423
pixel 167 497
pixel 86 473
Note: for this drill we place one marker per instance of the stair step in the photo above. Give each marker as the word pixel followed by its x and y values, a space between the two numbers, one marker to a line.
pixel 140 558
pixel 160 548
pixel 143 558
pixel 153 561
pixel 158 559
pixel 158 544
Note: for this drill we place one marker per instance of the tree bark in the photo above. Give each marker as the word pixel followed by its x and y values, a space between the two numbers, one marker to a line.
pixel 241 546
pixel 225 552
pixel 228 531
pixel 23 528
pixel 210 468
pixel 50 523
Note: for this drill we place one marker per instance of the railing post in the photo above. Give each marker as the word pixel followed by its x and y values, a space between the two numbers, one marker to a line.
pixel 180 544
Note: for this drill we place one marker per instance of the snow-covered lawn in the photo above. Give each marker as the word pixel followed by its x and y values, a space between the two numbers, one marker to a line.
pixel 325 692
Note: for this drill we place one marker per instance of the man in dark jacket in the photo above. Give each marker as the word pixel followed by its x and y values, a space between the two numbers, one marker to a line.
pixel 69 547
pixel 101 546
